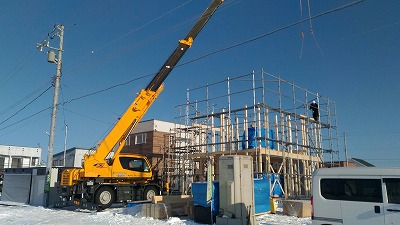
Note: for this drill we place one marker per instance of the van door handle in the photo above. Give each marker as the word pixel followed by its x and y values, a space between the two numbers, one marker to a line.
pixel 393 210
pixel 377 209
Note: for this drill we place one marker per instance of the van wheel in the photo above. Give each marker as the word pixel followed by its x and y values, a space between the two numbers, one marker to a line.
pixel 149 192
pixel 105 197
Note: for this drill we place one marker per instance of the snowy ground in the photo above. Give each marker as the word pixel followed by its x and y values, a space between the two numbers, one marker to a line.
pixel 17 214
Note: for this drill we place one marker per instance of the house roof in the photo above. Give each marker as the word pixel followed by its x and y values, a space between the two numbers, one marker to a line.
pixel 362 162
pixel 70 150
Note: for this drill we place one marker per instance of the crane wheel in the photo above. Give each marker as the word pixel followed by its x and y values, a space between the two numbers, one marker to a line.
pixel 149 192
pixel 105 197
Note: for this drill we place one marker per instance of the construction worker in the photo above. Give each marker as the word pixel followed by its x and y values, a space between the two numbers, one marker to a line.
pixel 315 111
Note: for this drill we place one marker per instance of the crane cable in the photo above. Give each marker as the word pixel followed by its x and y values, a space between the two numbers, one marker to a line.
pixel 311 27
pixel 302 29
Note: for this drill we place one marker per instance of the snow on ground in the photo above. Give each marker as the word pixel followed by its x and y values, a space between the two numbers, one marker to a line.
pixel 12 213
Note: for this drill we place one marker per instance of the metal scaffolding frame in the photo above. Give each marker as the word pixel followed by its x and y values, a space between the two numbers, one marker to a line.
pixel 256 114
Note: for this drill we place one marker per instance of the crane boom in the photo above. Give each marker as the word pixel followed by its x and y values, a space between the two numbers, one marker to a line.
pixel 95 164
pixel 183 46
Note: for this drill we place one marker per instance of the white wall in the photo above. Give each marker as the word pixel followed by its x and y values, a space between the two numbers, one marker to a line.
pixel 153 125
pixel 20 151
pixel 25 153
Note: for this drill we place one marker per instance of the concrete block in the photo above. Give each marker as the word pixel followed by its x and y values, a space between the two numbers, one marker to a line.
pixel 156 211
pixel 299 208
pixel 177 205
pixel 145 210
pixel 159 211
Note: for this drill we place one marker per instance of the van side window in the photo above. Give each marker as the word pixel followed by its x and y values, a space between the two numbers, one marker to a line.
pixel 360 190
pixel 393 190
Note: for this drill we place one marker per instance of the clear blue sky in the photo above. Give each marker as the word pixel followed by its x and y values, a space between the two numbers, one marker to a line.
pixel 111 42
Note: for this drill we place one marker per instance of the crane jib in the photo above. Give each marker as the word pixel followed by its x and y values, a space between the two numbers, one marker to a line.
pixel 182 47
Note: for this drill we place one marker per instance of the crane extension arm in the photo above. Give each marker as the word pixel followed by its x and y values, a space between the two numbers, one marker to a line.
pixel 183 46
pixel 117 136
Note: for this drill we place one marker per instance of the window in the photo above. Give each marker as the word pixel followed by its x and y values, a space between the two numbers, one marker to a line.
pixel 361 190
pixel 140 139
pixel 128 140
pixel 2 159
pixel 34 161
pixel 392 190
pixel 16 163
pixel 135 164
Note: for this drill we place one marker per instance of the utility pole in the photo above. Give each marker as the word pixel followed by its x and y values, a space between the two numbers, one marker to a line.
pixel 345 149
pixel 58 31
pixel 65 142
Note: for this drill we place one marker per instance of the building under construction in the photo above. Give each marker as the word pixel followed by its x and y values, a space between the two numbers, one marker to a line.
pixel 255 114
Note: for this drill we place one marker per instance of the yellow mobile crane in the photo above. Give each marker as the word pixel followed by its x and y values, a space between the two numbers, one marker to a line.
pixel 105 180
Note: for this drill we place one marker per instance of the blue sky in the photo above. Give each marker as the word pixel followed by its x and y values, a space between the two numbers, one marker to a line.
pixel 353 60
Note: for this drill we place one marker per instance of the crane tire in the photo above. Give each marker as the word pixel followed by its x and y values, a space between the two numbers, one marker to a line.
pixel 149 192
pixel 105 197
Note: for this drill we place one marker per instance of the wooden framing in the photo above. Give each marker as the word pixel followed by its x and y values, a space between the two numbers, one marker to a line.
pixel 282 137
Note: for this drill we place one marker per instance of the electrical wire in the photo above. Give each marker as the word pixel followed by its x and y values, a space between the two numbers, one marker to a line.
pixel 25 106
pixel 144 25
pixel 25 98
pixel 28 117
pixel 106 89
pixel 212 53
pixel 274 31
pixel 18 67
pixel 151 39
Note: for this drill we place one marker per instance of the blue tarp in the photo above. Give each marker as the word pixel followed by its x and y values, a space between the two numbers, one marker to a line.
pixel 272 144
pixel 261 195
pixel 199 192
pixel 251 141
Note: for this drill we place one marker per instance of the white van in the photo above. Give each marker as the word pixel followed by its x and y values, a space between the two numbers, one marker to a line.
pixel 353 196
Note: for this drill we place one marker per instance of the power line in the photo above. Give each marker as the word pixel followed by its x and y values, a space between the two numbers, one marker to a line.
pixel 106 89
pixel 275 31
pixel 223 49
pixel 28 117
pixel 17 68
pixel 140 27
pixel 87 117
pixel 230 47
pixel 25 98
pixel 24 106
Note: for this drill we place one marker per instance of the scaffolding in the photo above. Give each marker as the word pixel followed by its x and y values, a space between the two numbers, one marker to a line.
pixel 257 114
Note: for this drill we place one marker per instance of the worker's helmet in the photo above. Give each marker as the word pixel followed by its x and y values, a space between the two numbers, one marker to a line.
pixel 313 101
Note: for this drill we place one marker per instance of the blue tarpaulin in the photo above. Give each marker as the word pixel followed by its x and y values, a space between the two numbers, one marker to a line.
pixel 261 195
pixel 199 192
pixel 252 142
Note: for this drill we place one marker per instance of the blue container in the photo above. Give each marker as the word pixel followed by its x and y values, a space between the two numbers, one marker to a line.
pixel 199 192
